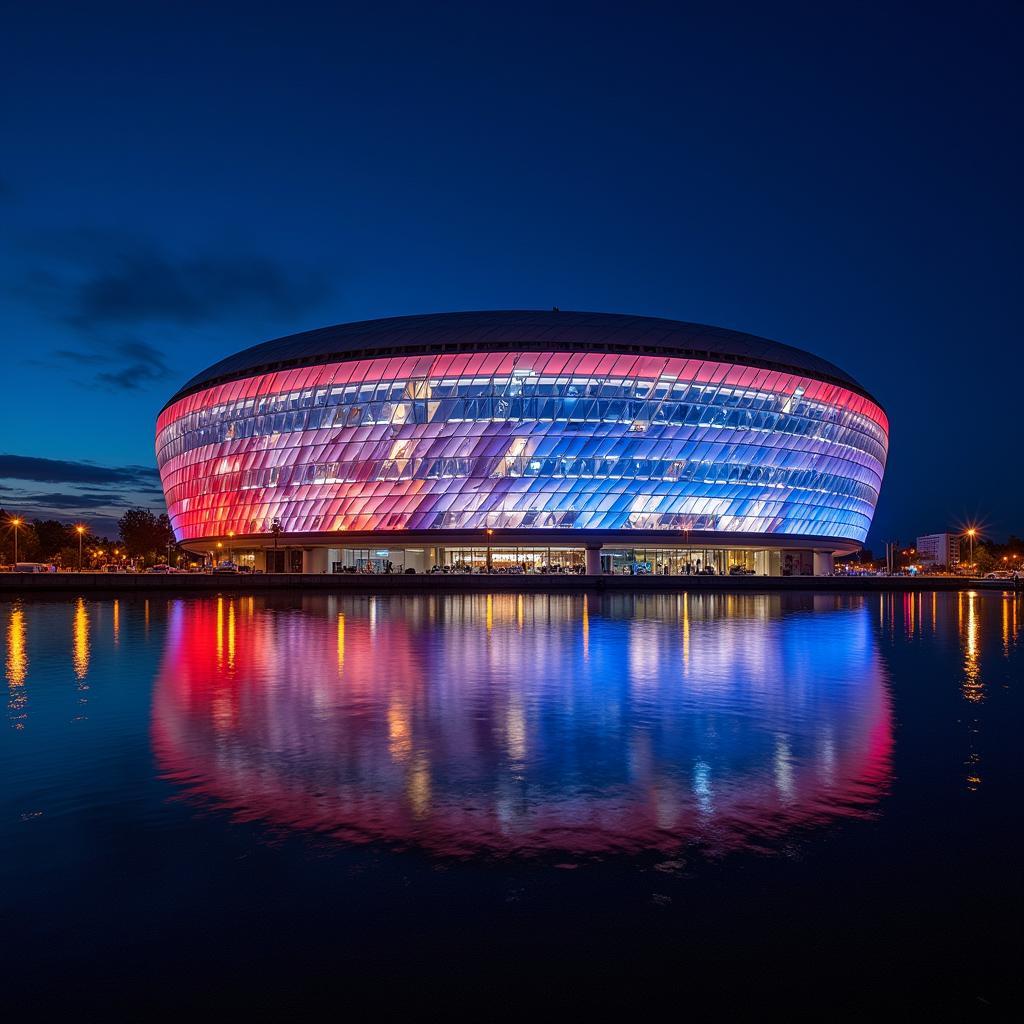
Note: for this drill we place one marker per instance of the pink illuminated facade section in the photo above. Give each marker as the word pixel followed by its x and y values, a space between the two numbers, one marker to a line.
pixel 521 440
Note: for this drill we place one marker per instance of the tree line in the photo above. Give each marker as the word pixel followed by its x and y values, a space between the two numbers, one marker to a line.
pixel 988 555
pixel 142 536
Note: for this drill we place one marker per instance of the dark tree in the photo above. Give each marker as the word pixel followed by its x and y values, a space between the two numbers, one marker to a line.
pixel 145 535
pixel 141 532
pixel 166 533
pixel 54 537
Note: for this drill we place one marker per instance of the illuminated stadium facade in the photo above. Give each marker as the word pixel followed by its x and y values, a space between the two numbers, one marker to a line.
pixel 523 440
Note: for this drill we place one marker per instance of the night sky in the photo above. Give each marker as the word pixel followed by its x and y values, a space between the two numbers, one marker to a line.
pixel 180 181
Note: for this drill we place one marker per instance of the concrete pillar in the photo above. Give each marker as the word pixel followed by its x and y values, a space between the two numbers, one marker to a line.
pixel 314 560
pixel 823 563
pixel 593 560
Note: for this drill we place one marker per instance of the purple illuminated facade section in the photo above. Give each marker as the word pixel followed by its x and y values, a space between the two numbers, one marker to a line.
pixel 523 440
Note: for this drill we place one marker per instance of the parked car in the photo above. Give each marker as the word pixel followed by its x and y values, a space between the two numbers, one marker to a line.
pixel 998 574
pixel 225 569
pixel 34 567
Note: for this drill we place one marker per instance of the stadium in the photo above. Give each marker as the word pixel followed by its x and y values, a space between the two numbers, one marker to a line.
pixel 523 441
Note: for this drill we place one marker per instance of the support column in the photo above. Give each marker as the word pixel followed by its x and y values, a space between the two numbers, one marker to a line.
pixel 314 560
pixel 823 563
pixel 593 559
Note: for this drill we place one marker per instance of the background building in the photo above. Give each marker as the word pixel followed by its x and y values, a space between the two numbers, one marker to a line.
pixel 510 439
pixel 939 549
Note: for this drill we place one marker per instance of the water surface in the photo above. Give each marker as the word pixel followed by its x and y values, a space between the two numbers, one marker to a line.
pixel 204 796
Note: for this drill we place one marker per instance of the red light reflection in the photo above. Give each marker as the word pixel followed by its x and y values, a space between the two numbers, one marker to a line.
pixel 515 724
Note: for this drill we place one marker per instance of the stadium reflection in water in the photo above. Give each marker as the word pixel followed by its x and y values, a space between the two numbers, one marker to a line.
pixel 526 724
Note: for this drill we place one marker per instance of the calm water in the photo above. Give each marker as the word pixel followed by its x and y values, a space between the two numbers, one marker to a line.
pixel 734 798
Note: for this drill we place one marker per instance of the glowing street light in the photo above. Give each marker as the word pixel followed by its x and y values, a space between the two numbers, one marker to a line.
pixel 971 532
pixel 15 523
pixel 80 530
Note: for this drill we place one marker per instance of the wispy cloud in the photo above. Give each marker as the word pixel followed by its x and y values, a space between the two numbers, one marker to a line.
pixel 55 471
pixel 109 287
pixel 126 365
pixel 98 495
pixel 97 280
pixel 59 500
pixel 145 285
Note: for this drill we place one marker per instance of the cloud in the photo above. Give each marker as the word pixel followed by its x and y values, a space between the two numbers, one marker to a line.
pixel 97 280
pixel 127 365
pixel 140 363
pixel 63 501
pixel 59 471
pixel 146 286
pixel 109 287
pixel 84 491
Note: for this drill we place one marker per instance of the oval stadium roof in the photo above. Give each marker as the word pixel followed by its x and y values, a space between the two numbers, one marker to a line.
pixel 530 330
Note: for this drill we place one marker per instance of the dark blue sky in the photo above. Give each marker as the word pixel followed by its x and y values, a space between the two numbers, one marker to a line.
pixel 180 181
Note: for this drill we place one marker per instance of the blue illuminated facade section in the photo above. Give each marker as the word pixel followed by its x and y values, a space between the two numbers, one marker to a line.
pixel 524 440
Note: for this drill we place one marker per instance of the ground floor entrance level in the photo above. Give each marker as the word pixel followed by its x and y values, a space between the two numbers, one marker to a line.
pixel 591 559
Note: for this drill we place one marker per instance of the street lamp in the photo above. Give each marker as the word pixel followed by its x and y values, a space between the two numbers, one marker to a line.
pixel 275 529
pixel 15 523
pixel 80 530
pixel 490 533
pixel 970 533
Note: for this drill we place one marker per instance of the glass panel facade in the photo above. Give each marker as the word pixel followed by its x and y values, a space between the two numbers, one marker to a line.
pixel 528 559
pixel 523 440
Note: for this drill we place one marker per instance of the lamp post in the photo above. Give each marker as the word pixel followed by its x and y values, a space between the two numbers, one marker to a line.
pixel 15 523
pixel 275 529
pixel 970 534
pixel 490 533
pixel 80 530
